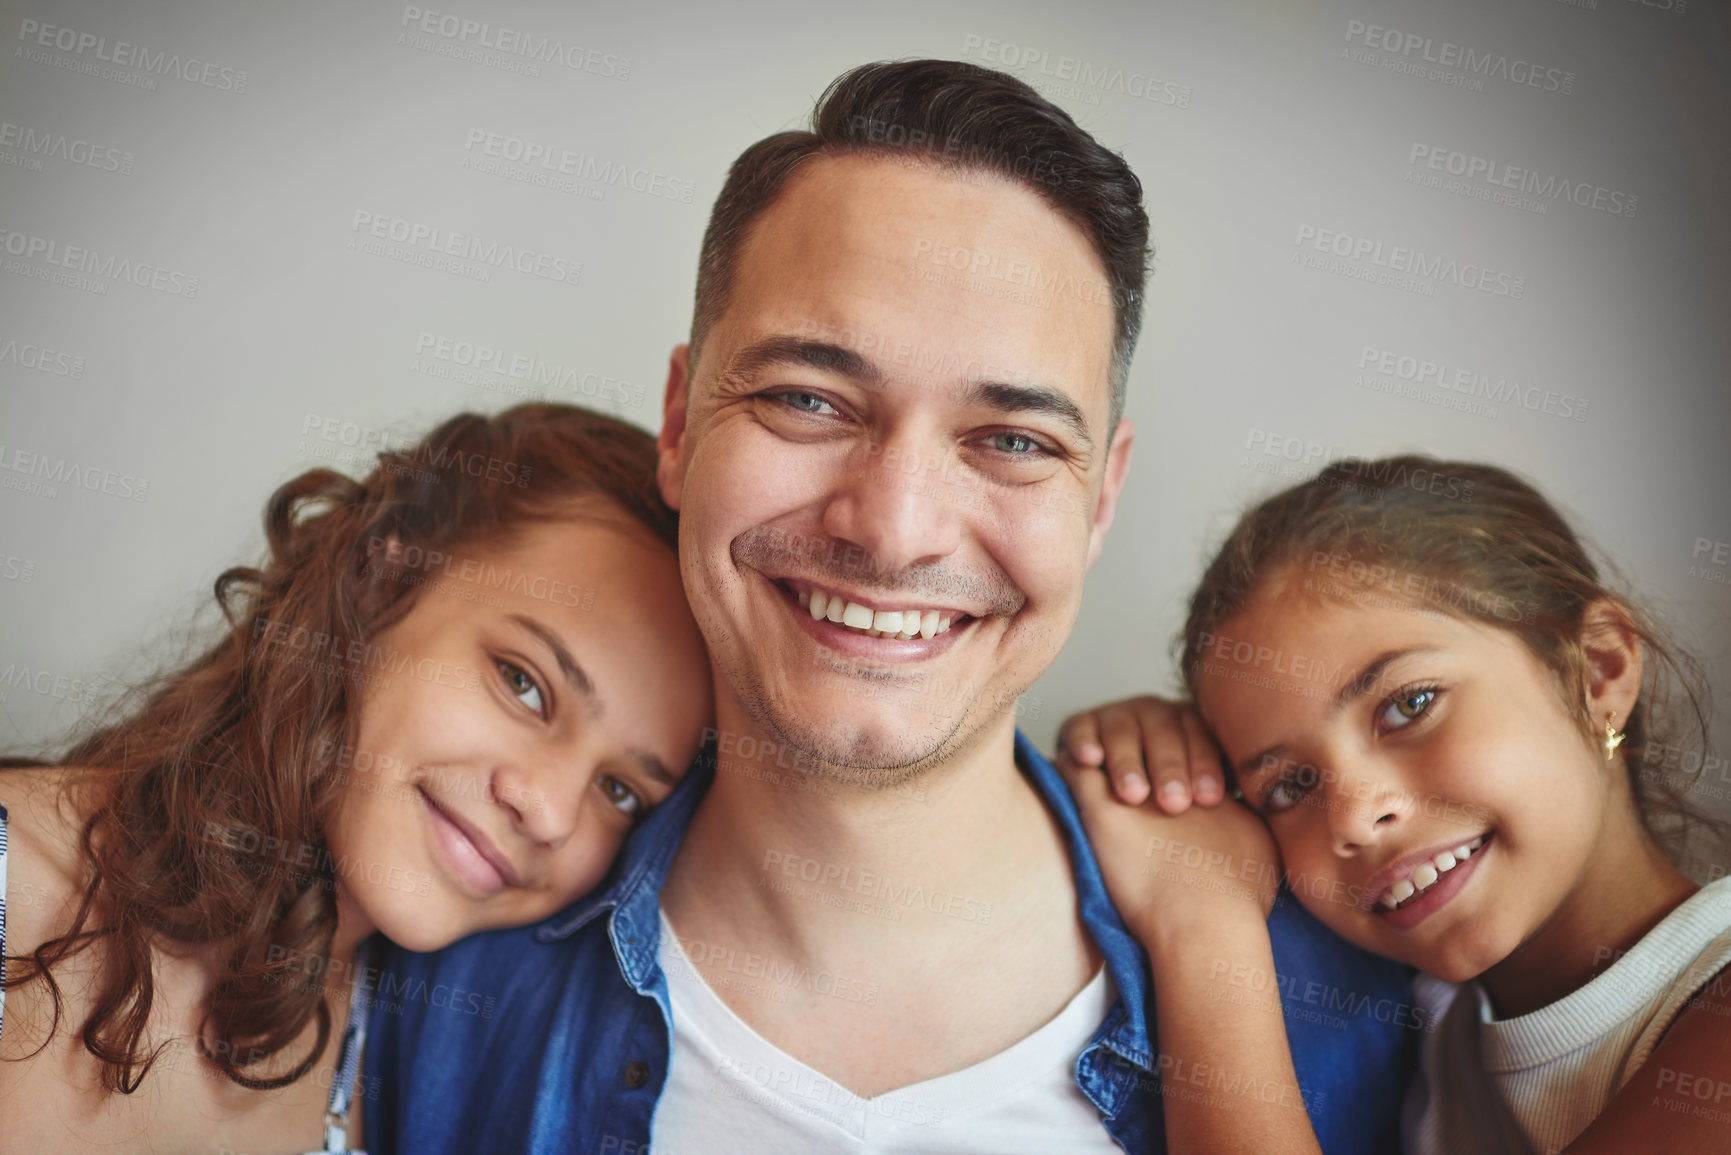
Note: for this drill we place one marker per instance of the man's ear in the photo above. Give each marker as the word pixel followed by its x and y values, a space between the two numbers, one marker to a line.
pixel 670 442
pixel 1117 470
pixel 1613 652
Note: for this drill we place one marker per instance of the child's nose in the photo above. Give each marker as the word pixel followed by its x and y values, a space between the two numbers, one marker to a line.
pixel 1363 810
pixel 542 799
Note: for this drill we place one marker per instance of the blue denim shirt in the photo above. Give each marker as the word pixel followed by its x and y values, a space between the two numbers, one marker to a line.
pixel 555 1037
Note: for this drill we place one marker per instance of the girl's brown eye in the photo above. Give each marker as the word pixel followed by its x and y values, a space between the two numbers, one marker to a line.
pixel 522 686
pixel 620 795
pixel 1406 706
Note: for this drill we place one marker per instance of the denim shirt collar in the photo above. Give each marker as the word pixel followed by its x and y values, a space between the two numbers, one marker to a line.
pixel 634 898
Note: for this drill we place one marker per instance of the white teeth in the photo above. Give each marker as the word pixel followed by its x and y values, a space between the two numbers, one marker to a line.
pixel 900 624
pixel 1425 874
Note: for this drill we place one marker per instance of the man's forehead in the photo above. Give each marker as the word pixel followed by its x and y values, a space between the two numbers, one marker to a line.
pixel 879 198
pixel 926 276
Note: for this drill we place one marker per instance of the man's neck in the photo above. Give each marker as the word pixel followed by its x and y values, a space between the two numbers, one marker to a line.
pixel 918 891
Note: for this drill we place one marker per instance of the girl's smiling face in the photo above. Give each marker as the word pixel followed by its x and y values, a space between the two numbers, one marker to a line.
pixel 1379 740
pixel 536 700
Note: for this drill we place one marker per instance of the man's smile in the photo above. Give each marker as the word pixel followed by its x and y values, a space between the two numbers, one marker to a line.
pixel 869 628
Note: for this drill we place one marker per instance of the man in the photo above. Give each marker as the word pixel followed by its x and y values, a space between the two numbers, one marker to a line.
pixel 868 920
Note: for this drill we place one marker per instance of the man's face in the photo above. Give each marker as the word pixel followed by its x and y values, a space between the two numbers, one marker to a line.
pixel 901 412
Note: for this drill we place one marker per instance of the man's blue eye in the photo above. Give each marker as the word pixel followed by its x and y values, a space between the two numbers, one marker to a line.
pixel 805 402
pixel 1018 444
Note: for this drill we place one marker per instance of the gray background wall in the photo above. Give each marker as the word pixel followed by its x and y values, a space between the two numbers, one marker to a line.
pixel 226 152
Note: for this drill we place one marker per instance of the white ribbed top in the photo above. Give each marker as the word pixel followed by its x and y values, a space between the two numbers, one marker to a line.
pixel 1532 1083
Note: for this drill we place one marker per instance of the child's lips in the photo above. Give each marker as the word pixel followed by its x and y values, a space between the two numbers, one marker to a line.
pixel 1412 876
pixel 1421 902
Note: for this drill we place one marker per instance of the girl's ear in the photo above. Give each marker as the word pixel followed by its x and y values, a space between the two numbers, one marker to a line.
pixel 1613 653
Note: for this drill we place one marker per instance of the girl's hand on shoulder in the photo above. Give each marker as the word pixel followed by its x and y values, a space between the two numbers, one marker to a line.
pixel 1169 873
pixel 1148 746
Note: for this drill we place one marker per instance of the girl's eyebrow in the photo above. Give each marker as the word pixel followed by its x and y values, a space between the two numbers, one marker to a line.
pixel 1356 687
pixel 655 768
pixel 574 673
pixel 1368 677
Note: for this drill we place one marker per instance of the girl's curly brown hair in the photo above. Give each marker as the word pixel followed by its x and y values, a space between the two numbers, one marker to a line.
pixel 242 739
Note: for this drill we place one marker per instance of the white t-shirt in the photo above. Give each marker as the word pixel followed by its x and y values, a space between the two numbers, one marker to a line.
pixel 731 1091
pixel 1532 1083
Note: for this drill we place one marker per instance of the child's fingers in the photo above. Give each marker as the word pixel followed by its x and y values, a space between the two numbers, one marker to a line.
pixel 1168 753
pixel 1207 775
pixel 1087 784
pixel 1079 737
pixel 1121 736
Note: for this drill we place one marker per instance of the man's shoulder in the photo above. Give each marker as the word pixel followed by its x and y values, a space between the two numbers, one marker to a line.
pixel 510 956
pixel 1301 938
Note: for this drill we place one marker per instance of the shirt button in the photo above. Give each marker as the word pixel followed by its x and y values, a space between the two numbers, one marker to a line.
pixel 636 1074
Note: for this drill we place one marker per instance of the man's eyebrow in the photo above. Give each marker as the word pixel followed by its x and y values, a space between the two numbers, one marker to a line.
pixel 1006 398
pixel 1356 687
pixel 996 395
pixel 574 673
pixel 772 352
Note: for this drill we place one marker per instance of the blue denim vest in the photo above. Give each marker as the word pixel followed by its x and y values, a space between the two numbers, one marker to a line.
pixel 555 1037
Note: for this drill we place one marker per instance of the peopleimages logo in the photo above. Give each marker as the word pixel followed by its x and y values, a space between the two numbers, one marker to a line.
pixel 553 160
pixel 80 259
pixel 46 472
pixel 1411 52
pixel 1364 258
pixel 426 244
pixel 477 363
pixel 1471 383
pixel 35 34
pixel 41 358
pixel 1089 78
pixel 1526 188
pixel 512 42
pixel 41 144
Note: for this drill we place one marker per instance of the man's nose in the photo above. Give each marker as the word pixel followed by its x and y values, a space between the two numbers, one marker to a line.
pixel 901 502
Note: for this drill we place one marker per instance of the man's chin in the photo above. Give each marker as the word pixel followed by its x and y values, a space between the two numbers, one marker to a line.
pixel 879 752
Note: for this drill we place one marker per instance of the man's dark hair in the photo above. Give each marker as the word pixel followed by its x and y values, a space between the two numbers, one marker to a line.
pixel 950 113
